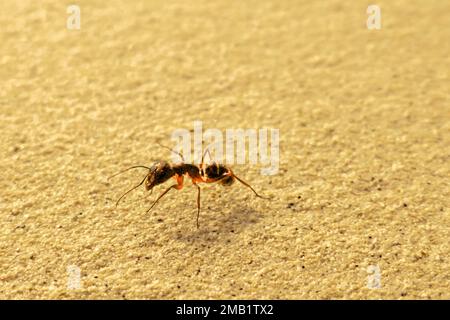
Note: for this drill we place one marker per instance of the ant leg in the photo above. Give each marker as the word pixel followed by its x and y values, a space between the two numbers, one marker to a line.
pixel 162 195
pixel 198 203
pixel 249 186
pixel 177 186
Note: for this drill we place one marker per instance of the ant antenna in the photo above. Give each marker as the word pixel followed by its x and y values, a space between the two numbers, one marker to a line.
pixel 178 153
pixel 121 197
pixel 204 153
pixel 133 167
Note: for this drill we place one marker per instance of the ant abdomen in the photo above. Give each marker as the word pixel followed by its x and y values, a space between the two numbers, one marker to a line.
pixel 215 171
pixel 227 181
pixel 219 172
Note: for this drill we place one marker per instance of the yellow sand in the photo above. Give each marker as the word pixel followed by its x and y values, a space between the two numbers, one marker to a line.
pixel 364 133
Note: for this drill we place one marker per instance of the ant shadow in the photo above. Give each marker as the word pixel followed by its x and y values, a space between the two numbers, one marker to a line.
pixel 218 226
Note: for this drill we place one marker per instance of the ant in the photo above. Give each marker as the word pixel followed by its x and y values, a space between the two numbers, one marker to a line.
pixel 161 171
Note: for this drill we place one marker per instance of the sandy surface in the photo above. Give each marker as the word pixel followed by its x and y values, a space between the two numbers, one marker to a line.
pixel 364 132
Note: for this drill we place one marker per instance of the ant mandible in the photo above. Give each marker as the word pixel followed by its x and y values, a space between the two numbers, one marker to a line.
pixel 162 171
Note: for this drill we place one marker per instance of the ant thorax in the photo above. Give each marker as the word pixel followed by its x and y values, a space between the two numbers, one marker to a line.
pixel 185 168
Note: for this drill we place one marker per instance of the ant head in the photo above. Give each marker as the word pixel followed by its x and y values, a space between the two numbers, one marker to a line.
pixel 220 171
pixel 159 173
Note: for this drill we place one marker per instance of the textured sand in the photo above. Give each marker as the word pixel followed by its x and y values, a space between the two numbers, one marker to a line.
pixel 364 123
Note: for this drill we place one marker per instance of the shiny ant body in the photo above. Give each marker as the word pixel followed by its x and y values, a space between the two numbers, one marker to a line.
pixel 162 171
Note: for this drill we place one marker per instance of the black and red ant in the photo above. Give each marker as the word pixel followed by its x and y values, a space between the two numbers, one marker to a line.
pixel 162 171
